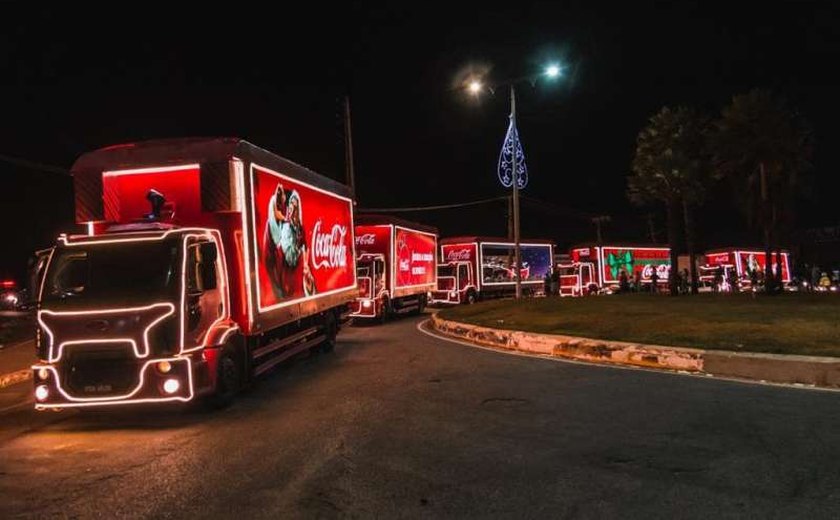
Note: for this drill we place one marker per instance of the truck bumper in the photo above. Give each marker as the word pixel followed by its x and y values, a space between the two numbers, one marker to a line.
pixel 445 298
pixel 158 380
pixel 363 308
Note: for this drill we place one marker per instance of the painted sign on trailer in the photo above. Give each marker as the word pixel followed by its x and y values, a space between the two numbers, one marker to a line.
pixel 303 237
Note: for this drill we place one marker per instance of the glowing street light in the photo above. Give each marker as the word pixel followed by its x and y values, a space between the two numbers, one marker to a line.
pixel 512 171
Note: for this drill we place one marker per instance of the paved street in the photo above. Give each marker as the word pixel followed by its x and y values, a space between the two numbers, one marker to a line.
pixel 396 423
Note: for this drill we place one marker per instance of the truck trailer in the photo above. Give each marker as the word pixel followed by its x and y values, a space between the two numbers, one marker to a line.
pixel 204 263
pixel 460 280
pixel 395 263
pixel 746 264
pixel 595 269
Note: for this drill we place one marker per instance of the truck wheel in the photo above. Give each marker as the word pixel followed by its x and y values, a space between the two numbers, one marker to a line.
pixel 331 331
pixel 228 379
pixel 470 298
pixel 421 304
pixel 386 309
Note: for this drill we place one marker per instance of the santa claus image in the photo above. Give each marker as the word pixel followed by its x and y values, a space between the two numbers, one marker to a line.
pixel 284 246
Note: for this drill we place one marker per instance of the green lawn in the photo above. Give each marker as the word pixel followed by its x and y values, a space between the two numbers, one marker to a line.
pixel 807 324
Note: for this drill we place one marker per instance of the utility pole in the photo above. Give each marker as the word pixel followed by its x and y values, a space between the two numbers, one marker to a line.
pixel 350 175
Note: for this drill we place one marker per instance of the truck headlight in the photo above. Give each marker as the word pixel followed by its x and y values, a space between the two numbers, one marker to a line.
pixel 42 392
pixel 170 386
pixel 366 304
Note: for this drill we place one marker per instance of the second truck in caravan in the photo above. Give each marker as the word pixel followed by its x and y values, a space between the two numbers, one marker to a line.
pixel 396 262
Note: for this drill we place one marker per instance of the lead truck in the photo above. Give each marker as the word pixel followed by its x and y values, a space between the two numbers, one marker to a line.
pixel 204 263
pixel 395 262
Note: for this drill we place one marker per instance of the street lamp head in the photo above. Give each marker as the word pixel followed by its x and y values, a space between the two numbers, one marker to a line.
pixel 475 86
pixel 553 71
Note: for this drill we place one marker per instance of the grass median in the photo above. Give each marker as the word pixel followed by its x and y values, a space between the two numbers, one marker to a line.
pixel 793 323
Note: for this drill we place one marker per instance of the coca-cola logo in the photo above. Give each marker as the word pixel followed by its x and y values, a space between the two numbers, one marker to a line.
pixel 458 255
pixel 365 240
pixel 329 249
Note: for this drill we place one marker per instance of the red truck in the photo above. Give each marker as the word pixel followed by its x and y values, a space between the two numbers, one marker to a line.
pixel 596 269
pixel 395 263
pixel 461 281
pixel 206 262
pixel 744 262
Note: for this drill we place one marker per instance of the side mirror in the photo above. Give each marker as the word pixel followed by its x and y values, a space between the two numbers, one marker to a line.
pixel 37 265
pixel 209 254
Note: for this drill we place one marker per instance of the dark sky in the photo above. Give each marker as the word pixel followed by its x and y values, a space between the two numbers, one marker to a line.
pixel 73 80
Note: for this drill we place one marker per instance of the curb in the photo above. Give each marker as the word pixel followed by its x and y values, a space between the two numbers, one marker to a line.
pixel 816 371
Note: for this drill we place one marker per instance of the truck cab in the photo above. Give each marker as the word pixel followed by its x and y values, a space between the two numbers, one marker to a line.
pixel 373 294
pixel 126 314
pixel 577 279
pixel 456 284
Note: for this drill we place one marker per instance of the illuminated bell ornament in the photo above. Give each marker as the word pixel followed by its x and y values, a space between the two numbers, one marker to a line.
pixel 512 156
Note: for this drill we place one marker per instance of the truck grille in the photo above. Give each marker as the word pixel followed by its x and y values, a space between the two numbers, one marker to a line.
pixel 102 372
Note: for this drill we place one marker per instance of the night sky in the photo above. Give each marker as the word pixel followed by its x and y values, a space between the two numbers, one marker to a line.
pixel 73 80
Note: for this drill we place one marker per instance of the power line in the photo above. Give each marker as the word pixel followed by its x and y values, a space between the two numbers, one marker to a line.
pixel 431 208
pixel 34 165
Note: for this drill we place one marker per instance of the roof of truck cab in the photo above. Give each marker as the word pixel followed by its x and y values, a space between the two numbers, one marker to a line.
pixel 371 219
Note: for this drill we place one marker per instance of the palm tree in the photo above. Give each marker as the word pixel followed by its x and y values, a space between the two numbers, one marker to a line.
pixel 671 167
pixel 764 147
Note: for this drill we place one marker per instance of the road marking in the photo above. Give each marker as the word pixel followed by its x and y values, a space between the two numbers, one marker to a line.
pixel 702 375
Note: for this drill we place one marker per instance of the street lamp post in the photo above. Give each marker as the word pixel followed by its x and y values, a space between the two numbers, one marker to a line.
pixel 512 167
pixel 515 186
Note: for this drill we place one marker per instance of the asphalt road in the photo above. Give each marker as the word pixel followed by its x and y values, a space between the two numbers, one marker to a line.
pixel 395 423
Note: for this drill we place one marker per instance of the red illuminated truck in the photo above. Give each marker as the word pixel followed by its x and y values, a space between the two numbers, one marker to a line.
pixel 395 264
pixel 205 263
pixel 596 269
pixel 745 263
pixel 475 267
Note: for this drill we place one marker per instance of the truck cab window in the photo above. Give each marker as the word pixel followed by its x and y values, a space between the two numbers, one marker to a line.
pixel 194 268
pixel 71 275
pixel 462 274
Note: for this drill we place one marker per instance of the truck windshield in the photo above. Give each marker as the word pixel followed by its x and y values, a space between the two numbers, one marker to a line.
pixel 446 270
pixel 116 273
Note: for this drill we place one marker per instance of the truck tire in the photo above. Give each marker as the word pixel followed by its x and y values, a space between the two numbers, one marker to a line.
pixel 471 298
pixel 421 304
pixel 331 331
pixel 228 379
pixel 386 309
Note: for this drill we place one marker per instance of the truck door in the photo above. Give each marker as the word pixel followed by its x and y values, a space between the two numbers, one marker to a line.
pixel 203 295
pixel 463 276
